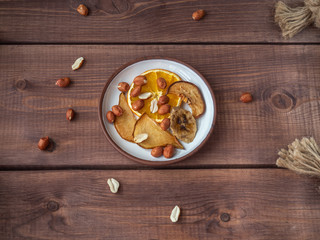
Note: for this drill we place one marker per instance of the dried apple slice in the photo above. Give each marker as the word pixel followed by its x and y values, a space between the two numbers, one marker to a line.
pixel 190 94
pixel 156 136
pixel 126 122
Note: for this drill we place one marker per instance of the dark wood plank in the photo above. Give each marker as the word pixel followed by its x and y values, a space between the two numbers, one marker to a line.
pixel 284 81
pixel 123 21
pixel 261 204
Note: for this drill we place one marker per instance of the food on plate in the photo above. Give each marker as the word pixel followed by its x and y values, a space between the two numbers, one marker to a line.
pixel 156 136
pixel 246 97
pixel 140 137
pixel 125 123
pixel 183 125
pixel 164 109
pixel 190 94
pixel 123 87
pixel 168 151
pixel 165 124
pixel 157 151
pixel 117 110
pixel 148 83
pixel 138 104
pixel 110 117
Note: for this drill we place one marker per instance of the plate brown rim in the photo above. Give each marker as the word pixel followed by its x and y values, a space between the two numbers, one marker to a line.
pixel 139 160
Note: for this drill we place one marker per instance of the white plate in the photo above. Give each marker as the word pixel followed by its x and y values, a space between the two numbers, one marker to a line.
pixel 110 97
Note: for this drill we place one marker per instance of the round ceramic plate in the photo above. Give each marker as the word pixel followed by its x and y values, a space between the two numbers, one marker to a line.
pixel 126 73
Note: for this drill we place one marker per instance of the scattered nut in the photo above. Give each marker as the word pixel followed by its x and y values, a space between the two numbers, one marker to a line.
pixel 140 137
pixel 70 114
pixel 140 80
pixel 123 87
pixel 164 109
pixel 163 100
pixel 246 97
pixel 145 95
pixel 154 106
pixel 113 185
pixel 197 15
pixel 43 143
pixel 83 10
pixel 168 151
pixel 137 105
pixel 136 91
pixel 161 82
pixel 63 82
pixel 77 64
pixel 157 152
pixel 165 124
pixel 110 117
pixel 174 217
pixel 117 110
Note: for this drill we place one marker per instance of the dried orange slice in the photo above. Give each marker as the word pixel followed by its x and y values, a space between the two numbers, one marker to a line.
pixel 150 93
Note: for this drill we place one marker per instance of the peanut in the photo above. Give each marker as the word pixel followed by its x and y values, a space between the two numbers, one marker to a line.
pixel 246 97
pixel 136 91
pixel 168 151
pixel 164 109
pixel 197 15
pixel 43 143
pixel 157 152
pixel 110 117
pixel 83 10
pixel 163 100
pixel 162 84
pixel 117 110
pixel 165 124
pixel 137 105
pixel 63 82
pixel 70 114
pixel 123 87
pixel 140 80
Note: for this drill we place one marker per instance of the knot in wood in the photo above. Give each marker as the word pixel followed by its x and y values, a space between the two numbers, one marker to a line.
pixel 53 206
pixel 21 84
pixel 282 101
pixel 225 217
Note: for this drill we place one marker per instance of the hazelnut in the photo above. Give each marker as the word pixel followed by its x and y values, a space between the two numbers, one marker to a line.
pixel 137 105
pixel 157 152
pixel 136 91
pixel 164 109
pixel 161 82
pixel 123 87
pixel 117 110
pixel 165 124
pixel 168 151
pixel 110 117
pixel 70 114
pixel 140 80
pixel 83 10
pixel 63 82
pixel 43 143
pixel 246 97
pixel 163 100
pixel 197 15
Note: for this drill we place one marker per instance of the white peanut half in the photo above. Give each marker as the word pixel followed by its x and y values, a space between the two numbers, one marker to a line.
pixel 175 214
pixel 154 106
pixel 140 137
pixel 145 95
pixel 113 185
pixel 77 64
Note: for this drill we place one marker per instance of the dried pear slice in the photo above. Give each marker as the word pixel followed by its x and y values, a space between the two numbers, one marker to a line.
pixel 156 136
pixel 183 125
pixel 190 94
pixel 126 122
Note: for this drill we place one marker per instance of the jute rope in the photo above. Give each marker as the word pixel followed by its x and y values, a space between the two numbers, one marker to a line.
pixel 294 20
pixel 302 156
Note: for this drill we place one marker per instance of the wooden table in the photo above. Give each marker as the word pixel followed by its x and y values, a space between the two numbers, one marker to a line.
pixel 231 189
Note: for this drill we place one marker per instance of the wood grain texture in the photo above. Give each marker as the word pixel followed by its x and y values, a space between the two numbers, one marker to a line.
pixel 124 21
pixel 284 81
pixel 215 204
